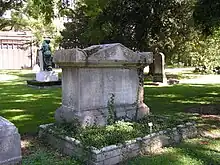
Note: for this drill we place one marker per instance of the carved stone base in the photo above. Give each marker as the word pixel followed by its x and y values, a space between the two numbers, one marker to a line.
pixel 46 76
pixel 143 110
pixel 38 84
pixel 99 116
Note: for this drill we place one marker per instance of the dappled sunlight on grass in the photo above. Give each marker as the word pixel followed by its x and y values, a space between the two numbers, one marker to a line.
pixel 195 101
pixel 5 84
pixel 213 93
pixel 5 78
pixel 167 157
pixel 205 143
pixel 27 107
pixel 175 99
pixel 202 149
pixel 167 95
pixel 27 95
pixel 199 151
pixel 196 85
pixel 216 132
pixel 11 110
pixel 21 118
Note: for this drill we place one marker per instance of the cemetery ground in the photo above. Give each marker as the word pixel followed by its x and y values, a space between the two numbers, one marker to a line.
pixel 30 107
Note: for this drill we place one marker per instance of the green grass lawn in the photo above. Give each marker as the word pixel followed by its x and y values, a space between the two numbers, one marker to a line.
pixel 199 151
pixel 28 107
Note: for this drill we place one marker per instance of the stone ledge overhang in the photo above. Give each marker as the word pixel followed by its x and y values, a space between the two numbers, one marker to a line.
pixel 103 56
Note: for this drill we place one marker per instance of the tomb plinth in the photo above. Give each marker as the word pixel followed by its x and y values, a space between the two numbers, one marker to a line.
pixel 47 76
pixel 97 75
pixel 44 78
pixel 44 75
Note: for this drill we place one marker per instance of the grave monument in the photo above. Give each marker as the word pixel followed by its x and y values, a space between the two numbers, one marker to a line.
pixel 91 79
pixel 46 76
pixel 46 73
pixel 91 76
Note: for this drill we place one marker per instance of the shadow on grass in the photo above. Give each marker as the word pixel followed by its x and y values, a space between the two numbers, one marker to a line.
pixel 165 159
pixel 202 152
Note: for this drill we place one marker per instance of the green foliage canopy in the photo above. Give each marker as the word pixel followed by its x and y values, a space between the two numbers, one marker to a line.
pixel 8 5
pixel 174 27
pixel 207 15
pixel 143 25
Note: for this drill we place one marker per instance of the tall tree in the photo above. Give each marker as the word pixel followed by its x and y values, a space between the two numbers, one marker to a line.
pixel 45 10
pixel 74 33
pixel 28 18
pixel 6 5
pixel 42 8
pixel 140 25
pixel 207 15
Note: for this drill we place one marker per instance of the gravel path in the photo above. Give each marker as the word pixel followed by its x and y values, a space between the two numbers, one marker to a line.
pixel 199 79
pixel 203 79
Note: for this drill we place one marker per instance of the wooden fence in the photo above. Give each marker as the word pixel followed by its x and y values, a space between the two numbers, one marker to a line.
pixel 14 52
pixel 15 59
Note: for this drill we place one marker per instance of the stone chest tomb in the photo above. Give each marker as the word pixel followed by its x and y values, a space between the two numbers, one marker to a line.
pixel 93 76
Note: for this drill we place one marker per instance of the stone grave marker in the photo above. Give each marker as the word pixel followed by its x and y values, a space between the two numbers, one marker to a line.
pixel 10 144
pixel 159 68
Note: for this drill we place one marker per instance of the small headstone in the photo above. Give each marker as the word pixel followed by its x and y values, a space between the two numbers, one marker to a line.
pixel 159 68
pixel 10 144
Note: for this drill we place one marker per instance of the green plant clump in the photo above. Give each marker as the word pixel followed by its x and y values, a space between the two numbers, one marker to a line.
pixel 118 133
pixel 45 157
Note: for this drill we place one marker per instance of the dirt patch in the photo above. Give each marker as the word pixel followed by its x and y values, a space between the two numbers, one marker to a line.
pixel 205 109
pixel 27 142
pixel 210 123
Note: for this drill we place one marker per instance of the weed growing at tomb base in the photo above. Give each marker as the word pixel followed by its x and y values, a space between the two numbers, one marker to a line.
pixel 117 133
